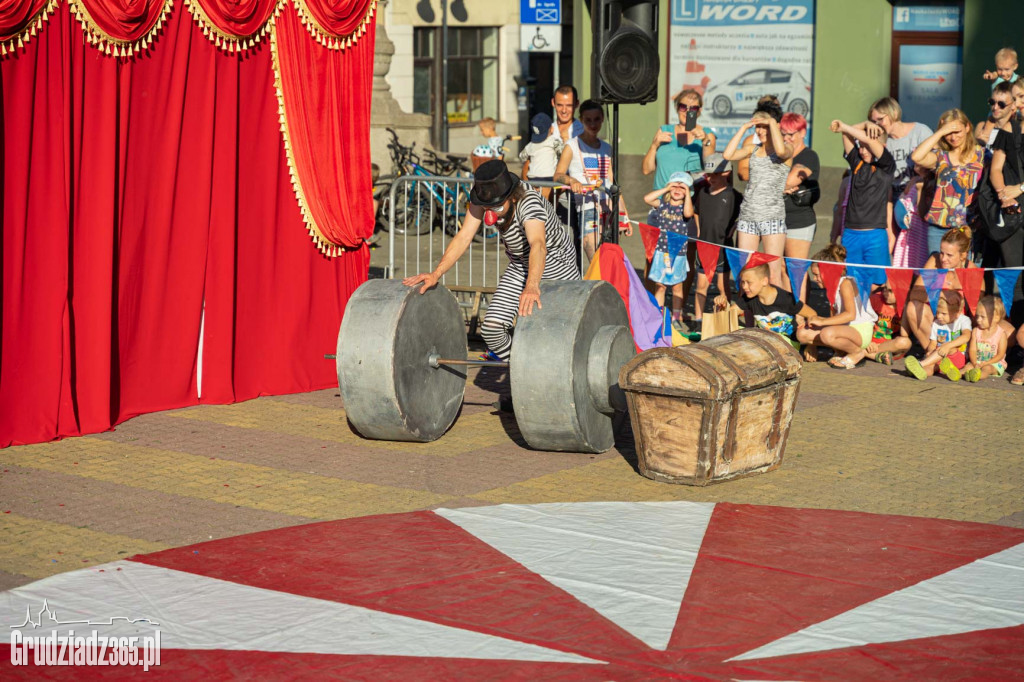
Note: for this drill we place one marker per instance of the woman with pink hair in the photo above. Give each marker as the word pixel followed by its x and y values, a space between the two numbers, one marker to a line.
pixel 801 193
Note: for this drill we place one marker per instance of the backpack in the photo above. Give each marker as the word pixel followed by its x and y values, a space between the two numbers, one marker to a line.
pixel 997 224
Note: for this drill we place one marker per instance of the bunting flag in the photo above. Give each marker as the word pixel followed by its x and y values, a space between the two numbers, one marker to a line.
pixel 645 319
pixel 933 280
pixel 708 254
pixel 971 280
pixel 737 259
pixel 676 242
pixel 831 273
pixel 1006 282
pixel 899 282
pixel 864 277
pixel 797 268
pixel 649 234
pixel 758 258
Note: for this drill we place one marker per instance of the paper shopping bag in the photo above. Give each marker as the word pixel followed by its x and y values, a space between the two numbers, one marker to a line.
pixel 720 322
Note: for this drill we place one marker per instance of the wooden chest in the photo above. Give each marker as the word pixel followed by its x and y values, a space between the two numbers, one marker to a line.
pixel 715 410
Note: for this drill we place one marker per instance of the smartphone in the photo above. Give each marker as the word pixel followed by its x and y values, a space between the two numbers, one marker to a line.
pixel 691 120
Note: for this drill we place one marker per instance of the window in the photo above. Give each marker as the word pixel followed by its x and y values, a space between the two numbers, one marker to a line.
pixel 472 73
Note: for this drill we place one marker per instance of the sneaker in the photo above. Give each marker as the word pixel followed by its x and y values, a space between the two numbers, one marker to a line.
pixel 973 375
pixel 913 366
pixel 947 367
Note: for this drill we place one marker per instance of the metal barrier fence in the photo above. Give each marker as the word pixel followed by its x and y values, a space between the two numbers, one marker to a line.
pixel 425 211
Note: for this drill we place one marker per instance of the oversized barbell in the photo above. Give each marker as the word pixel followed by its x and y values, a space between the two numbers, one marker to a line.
pixel 400 353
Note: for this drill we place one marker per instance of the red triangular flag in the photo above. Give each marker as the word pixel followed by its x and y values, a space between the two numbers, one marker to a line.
pixel 831 273
pixel 971 280
pixel 899 282
pixel 757 258
pixel 649 234
pixel 708 254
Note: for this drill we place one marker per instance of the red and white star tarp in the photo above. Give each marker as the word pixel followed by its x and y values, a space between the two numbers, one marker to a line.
pixel 589 591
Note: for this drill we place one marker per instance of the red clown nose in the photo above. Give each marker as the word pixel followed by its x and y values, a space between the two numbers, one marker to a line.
pixel 490 217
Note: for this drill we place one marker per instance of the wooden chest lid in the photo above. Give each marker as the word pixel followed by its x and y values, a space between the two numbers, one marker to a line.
pixel 714 369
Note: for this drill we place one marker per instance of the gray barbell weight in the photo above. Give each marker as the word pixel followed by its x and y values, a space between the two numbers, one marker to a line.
pixel 564 367
pixel 388 332
pixel 565 363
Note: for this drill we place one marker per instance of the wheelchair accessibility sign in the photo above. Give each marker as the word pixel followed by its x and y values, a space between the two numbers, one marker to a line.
pixel 540 38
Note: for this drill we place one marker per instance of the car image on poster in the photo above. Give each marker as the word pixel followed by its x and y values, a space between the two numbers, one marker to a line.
pixel 735 53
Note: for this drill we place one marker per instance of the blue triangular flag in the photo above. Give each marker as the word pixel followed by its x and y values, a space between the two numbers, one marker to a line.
pixel 1006 280
pixel 933 280
pixel 797 268
pixel 737 259
pixel 864 277
pixel 676 242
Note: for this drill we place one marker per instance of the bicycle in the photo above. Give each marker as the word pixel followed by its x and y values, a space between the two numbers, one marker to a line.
pixel 421 205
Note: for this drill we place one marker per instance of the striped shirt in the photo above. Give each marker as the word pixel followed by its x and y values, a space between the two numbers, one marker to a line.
pixel 534 207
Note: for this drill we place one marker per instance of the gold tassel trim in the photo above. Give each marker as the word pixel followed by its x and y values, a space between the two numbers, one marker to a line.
pixel 108 44
pixel 324 37
pixel 228 42
pixel 32 28
pixel 325 246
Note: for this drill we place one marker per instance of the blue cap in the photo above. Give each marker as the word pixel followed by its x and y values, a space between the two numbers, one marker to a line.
pixel 681 176
pixel 540 127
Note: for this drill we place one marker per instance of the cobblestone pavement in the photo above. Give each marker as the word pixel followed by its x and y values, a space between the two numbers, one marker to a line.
pixel 869 440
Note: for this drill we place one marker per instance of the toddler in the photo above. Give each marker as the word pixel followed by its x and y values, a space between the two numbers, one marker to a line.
pixel 770 307
pixel 885 337
pixel 673 209
pixel 987 350
pixel 494 147
pixel 540 155
pixel 1006 67
pixel 947 344
pixel 848 330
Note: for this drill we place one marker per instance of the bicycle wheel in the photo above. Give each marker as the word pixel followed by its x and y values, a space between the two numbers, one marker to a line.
pixel 414 212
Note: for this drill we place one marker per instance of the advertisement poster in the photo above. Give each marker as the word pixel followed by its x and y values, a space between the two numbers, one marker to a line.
pixel 930 81
pixel 736 51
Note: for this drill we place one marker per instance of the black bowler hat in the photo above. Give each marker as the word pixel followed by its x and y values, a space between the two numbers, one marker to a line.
pixel 492 184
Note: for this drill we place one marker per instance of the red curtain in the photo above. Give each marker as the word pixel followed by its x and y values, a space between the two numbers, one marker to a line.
pixel 121 20
pixel 16 15
pixel 242 18
pixel 137 194
pixel 339 18
pixel 326 124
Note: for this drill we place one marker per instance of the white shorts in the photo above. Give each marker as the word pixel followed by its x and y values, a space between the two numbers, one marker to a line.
pixel 761 227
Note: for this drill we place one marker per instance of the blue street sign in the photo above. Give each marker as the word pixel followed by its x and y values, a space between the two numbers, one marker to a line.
pixel 540 12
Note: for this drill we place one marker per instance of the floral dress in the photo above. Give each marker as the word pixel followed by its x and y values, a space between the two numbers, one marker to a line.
pixel 954 190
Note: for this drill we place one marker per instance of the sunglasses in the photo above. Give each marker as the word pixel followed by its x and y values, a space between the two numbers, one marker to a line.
pixel 1001 105
pixel 683 107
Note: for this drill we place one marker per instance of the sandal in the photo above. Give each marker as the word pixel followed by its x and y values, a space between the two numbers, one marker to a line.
pixel 947 367
pixel 914 368
pixel 1018 378
pixel 973 375
pixel 844 362
pixel 883 358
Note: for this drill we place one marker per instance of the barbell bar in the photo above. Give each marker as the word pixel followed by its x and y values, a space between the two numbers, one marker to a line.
pixel 399 352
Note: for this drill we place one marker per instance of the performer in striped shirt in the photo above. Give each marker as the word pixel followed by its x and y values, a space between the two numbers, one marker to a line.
pixel 536 242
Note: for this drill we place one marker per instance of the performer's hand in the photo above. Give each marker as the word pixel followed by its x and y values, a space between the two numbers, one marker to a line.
pixel 529 296
pixel 428 279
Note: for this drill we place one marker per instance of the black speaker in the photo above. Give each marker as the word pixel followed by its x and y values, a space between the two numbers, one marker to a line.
pixel 625 63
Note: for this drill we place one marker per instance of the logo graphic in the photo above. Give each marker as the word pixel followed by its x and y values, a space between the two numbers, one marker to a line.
pixel 62 647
